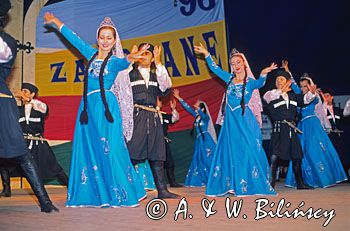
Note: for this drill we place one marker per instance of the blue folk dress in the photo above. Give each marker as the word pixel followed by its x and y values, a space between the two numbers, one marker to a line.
pixel 321 166
pixel 204 146
pixel 101 173
pixel 239 163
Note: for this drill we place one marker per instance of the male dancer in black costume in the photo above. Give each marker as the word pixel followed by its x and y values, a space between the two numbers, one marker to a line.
pixel 166 120
pixel 32 119
pixel 149 79
pixel 12 144
pixel 282 105
pixel 337 134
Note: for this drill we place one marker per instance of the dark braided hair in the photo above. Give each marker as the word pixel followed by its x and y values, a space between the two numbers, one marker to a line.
pixel 83 114
pixel 243 92
pixel 103 95
pixel 223 105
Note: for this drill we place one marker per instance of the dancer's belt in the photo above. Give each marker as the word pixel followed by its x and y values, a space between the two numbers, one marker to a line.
pixel 337 131
pixel 292 125
pixel 148 108
pixel 2 95
pixel 34 137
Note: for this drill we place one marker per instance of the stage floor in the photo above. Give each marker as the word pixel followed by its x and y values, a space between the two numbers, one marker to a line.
pixel 20 212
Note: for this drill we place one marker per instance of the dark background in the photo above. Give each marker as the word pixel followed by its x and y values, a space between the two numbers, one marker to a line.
pixel 313 35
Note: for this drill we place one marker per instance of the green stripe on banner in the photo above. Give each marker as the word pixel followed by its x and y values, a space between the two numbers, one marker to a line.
pixel 182 152
pixel 181 148
pixel 63 155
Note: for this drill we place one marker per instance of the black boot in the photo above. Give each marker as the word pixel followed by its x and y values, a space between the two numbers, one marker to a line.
pixel 6 184
pixel 157 168
pixel 171 178
pixel 273 166
pixel 296 164
pixel 62 178
pixel 31 172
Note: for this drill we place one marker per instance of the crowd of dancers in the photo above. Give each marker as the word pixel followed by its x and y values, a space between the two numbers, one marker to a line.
pixel 120 146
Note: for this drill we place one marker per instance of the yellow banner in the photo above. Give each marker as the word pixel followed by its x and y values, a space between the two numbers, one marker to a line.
pixel 61 73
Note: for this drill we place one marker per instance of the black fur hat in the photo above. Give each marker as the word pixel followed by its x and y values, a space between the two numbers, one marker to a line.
pixel 328 90
pixel 280 72
pixel 31 87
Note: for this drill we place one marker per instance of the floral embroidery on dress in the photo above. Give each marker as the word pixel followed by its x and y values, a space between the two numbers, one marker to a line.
pixel 83 177
pixel 255 172
pixel 243 186
pixel 95 68
pixel 105 145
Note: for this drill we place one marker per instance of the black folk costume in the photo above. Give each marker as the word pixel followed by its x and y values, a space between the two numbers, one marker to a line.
pixel 337 134
pixel 169 165
pixel 147 142
pixel 12 144
pixel 32 120
pixel 285 143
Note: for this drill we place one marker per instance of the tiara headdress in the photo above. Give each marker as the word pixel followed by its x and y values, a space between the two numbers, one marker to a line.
pixel 107 21
pixel 233 52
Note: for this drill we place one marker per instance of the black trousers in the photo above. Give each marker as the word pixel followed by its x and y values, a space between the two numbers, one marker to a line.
pixel 147 142
pixel 169 162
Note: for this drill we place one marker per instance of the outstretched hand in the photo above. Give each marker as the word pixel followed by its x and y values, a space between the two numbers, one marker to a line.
pixel 156 53
pixel 136 54
pixel 49 18
pixel 286 86
pixel 134 49
pixel 173 104
pixel 176 94
pixel 201 49
pixel 196 104
pixel 267 70
pixel 312 88
pixel 285 65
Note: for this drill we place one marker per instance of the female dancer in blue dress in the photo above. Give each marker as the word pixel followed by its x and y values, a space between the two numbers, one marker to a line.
pixel 204 145
pixel 239 163
pixel 321 166
pixel 101 173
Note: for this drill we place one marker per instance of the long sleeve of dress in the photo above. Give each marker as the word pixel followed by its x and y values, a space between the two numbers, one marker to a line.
pixel 224 75
pixel 188 108
pixel 295 87
pixel 84 48
pixel 305 99
pixel 123 63
pixel 203 116
pixel 309 97
pixel 258 83
pixel 321 114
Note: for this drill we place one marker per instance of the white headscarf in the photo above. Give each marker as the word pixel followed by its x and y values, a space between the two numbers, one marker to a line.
pixel 211 128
